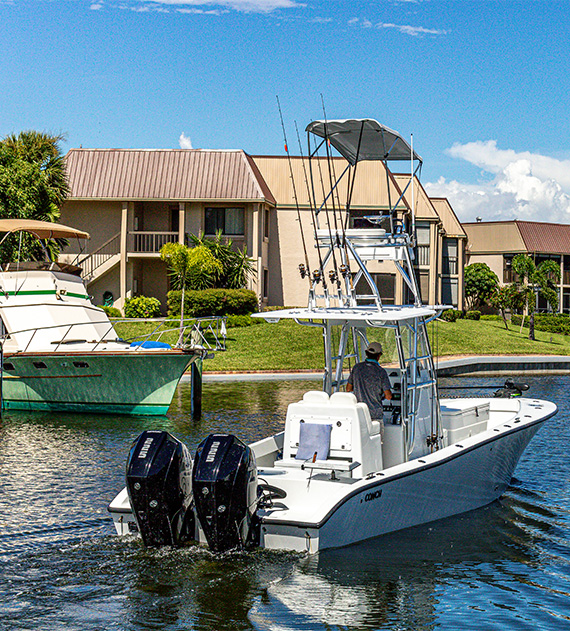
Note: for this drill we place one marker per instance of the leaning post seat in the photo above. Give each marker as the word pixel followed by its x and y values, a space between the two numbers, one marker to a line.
pixel 355 440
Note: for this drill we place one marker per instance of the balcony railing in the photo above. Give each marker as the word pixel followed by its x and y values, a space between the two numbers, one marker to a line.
pixel 150 242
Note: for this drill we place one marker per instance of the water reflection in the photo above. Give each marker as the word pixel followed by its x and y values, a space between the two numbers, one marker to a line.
pixel 504 566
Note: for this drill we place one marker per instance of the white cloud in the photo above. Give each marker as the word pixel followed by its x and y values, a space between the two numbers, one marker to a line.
pixel 184 141
pixel 95 6
pixel 523 185
pixel 246 6
pixel 414 31
pixel 406 29
pixel 202 11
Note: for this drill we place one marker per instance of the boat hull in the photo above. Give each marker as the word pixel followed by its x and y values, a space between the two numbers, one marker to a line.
pixel 136 382
pixel 455 480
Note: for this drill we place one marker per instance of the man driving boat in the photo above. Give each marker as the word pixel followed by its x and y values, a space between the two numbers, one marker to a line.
pixel 370 382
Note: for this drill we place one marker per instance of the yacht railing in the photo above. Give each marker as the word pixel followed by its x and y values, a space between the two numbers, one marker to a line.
pixel 203 334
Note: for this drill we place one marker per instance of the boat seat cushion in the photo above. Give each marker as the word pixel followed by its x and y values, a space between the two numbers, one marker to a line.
pixel 314 441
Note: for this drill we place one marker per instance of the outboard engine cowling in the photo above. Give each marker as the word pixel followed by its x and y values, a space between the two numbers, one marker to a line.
pixel 224 482
pixel 159 483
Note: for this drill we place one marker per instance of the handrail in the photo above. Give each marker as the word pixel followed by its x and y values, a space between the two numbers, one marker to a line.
pixel 195 335
pixel 100 256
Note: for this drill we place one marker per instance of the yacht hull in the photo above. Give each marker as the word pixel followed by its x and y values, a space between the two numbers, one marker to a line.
pixel 131 382
pixel 459 478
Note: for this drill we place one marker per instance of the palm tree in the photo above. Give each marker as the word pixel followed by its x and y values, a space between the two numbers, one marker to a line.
pixel 33 185
pixel 237 267
pixel 535 279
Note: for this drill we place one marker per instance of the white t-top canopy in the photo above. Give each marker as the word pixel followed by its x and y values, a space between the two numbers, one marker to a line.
pixel 363 139
pixel 41 229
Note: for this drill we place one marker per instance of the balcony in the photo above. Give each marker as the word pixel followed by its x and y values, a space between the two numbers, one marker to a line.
pixel 149 242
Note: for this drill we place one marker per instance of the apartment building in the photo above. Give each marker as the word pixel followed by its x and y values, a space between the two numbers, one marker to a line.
pixel 134 201
pixel 496 243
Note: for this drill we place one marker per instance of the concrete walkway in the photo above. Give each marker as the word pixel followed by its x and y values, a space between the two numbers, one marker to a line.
pixel 488 365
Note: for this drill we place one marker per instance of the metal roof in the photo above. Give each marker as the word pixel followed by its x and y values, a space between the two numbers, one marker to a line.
pixel 538 237
pixel 547 238
pixel 166 174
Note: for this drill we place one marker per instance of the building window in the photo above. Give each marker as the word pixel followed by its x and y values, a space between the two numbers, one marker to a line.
pixel 449 291
pixel 266 217
pixel 265 283
pixel 230 221
pixel 358 219
pixel 422 248
pixel 449 263
pixel 386 284
pixel 566 301
pixel 174 212
pixel 566 270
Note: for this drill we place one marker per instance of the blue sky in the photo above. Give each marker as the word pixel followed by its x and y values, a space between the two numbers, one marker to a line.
pixel 482 85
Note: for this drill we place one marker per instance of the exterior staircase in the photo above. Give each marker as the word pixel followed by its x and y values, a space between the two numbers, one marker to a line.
pixel 103 260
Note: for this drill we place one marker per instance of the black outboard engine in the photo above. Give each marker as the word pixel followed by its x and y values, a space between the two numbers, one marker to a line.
pixel 159 483
pixel 224 482
pixel 511 389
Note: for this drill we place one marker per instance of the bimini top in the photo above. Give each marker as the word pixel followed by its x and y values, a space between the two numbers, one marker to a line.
pixel 363 139
pixel 41 229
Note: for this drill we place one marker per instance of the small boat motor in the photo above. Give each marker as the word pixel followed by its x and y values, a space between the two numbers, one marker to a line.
pixel 224 483
pixel 159 484
pixel 511 389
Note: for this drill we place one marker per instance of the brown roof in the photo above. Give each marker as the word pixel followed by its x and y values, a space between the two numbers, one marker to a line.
pixel 172 174
pixel 538 237
pixel 549 238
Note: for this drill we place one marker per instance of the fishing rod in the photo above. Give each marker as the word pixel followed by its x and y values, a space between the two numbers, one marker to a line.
pixel 509 385
pixel 306 270
pixel 344 268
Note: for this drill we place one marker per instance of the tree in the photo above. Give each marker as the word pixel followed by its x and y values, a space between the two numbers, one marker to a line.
pixel 195 268
pixel 237 267
pixel 533 280
pixel 33 185
pixel 480 284
pixel 501 299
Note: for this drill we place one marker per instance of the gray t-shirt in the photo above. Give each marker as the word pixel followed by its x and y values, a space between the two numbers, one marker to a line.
pixel 369 380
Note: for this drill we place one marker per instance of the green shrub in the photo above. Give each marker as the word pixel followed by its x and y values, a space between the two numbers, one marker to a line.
pixel 239 321
pixel 493 317
pixel 142 307
pixel 112 312
pixel 549 322
pixel 451 315
pixel 211 302
pixel 473 315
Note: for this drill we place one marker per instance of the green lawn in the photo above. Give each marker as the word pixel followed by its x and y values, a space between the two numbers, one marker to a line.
pixel 288 346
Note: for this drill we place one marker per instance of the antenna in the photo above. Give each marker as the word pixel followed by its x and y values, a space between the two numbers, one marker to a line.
pixel 413 190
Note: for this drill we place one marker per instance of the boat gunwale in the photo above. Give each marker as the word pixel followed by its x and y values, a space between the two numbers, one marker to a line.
pixel 417 467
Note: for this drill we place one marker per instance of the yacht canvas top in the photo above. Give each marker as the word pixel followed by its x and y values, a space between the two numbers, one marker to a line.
pixel 363 139
pixel 370 316
pixel 41 229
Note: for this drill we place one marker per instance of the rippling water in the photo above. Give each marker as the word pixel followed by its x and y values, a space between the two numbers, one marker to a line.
pixel 505 566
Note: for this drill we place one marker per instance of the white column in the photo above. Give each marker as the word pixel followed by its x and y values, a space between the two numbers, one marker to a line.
pixel 181 222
